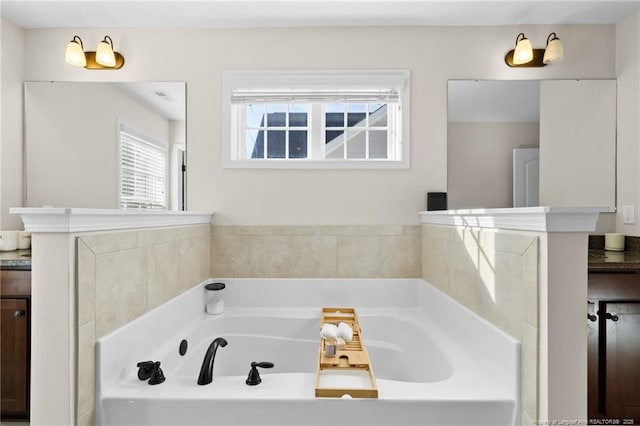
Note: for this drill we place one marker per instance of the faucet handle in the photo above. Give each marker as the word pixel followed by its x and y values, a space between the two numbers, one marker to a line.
pixel 254 376
pixel 145 369
pixel 157 376
pixel 263 364
pixel 150 370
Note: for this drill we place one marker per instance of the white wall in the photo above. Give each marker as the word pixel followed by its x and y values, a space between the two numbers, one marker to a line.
pixel 11 143
pixel 628 73
pixel 72 152
pixel 480 162
pixel 433 54
pixel 577 143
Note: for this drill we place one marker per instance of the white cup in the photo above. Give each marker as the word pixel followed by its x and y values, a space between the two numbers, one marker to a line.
pixel 24 240
pixel 8 240
pixel 614 241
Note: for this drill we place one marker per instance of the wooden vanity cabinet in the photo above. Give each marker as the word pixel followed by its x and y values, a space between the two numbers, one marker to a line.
pixel 614 345
pixel 15 325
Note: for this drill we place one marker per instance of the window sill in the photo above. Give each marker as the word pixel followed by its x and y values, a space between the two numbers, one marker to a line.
pixel 302 164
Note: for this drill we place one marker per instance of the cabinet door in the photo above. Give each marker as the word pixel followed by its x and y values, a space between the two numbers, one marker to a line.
pixel 623 361
pixel 592 366
pixel 14 361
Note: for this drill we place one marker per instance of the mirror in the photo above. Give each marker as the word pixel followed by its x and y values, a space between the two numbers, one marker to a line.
pixel 529 143
pixel 73 135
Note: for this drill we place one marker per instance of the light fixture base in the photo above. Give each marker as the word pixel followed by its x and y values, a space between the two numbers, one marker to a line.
pixel 536 62
pixel 93 65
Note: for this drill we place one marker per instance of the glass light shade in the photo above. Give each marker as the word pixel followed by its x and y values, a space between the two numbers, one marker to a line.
pixel 105 55
pixel 75 55
pixel 523 52
pixel 554 51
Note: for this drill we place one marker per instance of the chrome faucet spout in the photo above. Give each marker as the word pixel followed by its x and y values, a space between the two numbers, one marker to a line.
pixel 206 371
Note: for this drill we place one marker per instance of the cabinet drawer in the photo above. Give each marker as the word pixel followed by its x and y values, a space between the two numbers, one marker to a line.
pixel 15 283
pixel 614 286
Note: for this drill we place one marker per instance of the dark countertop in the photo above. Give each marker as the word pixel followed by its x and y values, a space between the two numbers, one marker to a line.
pixel 17 260
pixel 611 261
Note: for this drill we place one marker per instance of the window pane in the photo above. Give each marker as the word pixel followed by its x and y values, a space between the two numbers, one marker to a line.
pixel 254 143
pixel 298 144
pixel 357 115
pixel 336 154
pixel 378 115
pixel 334 119
pixel 378 144
pixel 276 115
pixel 335 108
pixel 298 114
pixel 332 134
pixel 254 115
pixel 356 144
pixel 275 144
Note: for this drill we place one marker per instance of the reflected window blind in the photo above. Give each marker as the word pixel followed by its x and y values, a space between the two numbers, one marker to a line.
pixel 143 172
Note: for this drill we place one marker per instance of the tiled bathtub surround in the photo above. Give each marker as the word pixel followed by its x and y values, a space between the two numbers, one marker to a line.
pixel 122 275
pixel 495 274
pixel 385 251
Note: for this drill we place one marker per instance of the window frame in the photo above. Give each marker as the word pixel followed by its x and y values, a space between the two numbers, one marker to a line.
pixel 162 146
pixel 233 123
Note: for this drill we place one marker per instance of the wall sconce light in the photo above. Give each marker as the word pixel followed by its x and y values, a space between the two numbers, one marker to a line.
pixel 524 55
pixel 104 58
pixel 554 51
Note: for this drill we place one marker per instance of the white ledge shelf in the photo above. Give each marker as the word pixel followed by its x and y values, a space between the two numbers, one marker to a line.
pixel 539 219
pixel 65 220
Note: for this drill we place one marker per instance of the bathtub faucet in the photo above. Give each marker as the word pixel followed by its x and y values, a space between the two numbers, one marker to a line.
pixel 206 371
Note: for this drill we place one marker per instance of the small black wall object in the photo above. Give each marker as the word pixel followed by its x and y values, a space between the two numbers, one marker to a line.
pixel 436 201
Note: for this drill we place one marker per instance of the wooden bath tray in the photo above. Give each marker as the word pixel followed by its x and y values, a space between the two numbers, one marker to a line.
pixel 349 372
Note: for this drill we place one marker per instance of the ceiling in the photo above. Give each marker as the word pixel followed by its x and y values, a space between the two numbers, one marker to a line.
pixel 494 101
pixel 166 98
pixel 302 13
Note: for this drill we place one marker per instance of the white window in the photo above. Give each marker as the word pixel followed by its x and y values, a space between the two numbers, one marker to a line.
pixel 316 119
pixel 142 170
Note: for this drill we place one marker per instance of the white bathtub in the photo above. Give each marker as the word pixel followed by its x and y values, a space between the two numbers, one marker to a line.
pixel 436 363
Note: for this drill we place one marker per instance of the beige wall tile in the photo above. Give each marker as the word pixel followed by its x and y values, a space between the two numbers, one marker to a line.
pixel 242 230
pixel 437 260
pixel 86 368
pixel 299 230
pixel 86 279
pixel 359 256
pixel 87 419
pixel 530 278
pixel 121 292
pixel 123 282
pixel 162 274
pixel 149 237
pixel 468 236
pixel 401 256
pixel 442 232
pixel 501 280
pixel 194 263
pixel 111 241
pixel 271 256
pixel 193 231
pixel 339 230
pixel 380 230
pixel 506 241
pixel 505 268
pixel 231 256
pixel 529 369
pixel 412 230
pixel 526 419
pixel 314 257
pixel 464 275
